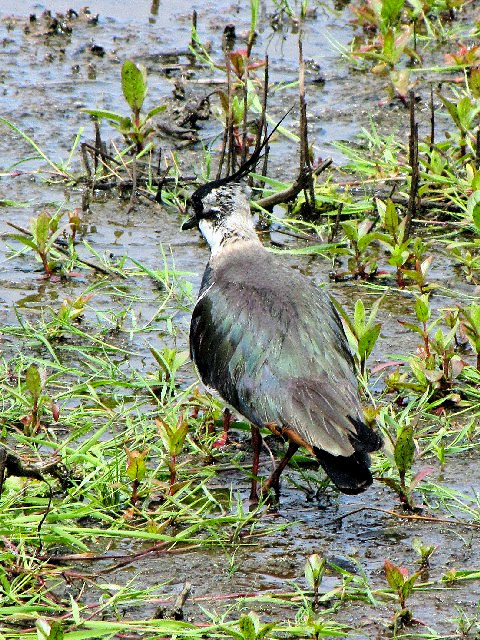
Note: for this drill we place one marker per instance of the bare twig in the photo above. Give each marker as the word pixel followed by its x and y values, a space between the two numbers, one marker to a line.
pixel 304 150
pixel 477 154
pixel 229 122
pixel 336 224
pixel 177 613
pixel 413 162
pixel 432 120
pixel 133 195
pixel 406 516
pixel 289 194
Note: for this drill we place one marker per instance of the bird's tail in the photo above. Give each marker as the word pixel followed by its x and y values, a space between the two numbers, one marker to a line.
pixel 351 474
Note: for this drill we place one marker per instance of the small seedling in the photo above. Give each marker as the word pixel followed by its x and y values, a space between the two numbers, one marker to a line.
pixel 403 458
pixel 404 251
pixel 69 311
pixel 424 551
pixel 361 332
pixel 170 360
pixel 399 580
pixel 136 470
pixel 464 114
pixel 172 439
pixel 249 627
pixel 471 326
pixel 44 231
pixel 134 128
pixel 36 400
pixel 314 572
pixel 360 237
pixel 49 631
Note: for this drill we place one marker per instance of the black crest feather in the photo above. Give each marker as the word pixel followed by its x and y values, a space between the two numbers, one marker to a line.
pixel 199 194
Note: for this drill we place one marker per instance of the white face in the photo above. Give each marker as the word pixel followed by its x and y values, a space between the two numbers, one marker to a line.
pixel 226 212
pixel 212 232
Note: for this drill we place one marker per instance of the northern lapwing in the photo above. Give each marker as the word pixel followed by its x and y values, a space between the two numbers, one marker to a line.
pixel 272 344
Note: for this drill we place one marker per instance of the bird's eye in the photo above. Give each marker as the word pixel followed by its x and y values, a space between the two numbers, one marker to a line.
pixel 213 212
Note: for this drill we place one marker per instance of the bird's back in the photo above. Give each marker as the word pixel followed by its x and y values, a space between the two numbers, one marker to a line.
pixel 273 346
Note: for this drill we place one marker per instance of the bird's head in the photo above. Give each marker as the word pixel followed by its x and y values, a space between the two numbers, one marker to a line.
pixel 221 212
pixel 220 208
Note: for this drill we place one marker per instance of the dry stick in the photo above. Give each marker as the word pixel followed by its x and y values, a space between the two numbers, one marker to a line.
pixel 244 123
pixel 227 121
pixel 413 162
pixel 86 163
pixel 251 37
pixel 222 152
pixel 477 154
pixel 98 145
pixel 262 134
pixel 336 224
pixel 158 195
pixel 177 613
pixel 230 138
pixel 133 198
pixel 193 43
pixel 405 516
pixel 103 156
pixel 432 120
pixel 60 249
pixel 262 125
pixel 282 197
pixel 304 151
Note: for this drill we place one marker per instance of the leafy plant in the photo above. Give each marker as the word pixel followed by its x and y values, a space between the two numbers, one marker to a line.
pixel 361 332
pixel 402 584
pixel 403 446
pixel 170 360
pixel 172 440
pixel 360 237
pixel 44 231
pixel 314 572
pixel 403 250
pixel 136 470
pixel 249 627
pixel 49 631
pixel 471 325
pixel 424 552
pixel 35 400
pixel 134 128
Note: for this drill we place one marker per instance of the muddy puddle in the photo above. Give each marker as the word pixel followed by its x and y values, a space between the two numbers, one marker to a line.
pixel 45 80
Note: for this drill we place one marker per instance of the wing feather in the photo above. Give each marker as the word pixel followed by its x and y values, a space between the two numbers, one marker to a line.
pixel 273 346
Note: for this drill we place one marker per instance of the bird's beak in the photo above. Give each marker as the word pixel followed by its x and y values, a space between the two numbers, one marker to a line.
pixel 190 223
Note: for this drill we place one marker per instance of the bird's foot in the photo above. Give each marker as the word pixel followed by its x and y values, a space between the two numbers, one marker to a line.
pixel 228 418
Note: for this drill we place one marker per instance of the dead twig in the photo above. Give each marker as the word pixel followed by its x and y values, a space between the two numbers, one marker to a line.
pixel 406 516
pixel 304 150
pixel 413 162
pixel 336 224
pixel 177 613
pixel 289 194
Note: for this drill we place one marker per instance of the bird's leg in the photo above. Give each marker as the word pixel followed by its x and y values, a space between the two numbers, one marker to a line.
pixel 227 423
pixel 274 481
pixel 257 445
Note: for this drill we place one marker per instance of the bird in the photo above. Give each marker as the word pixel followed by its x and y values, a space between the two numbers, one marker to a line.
pixel 272 344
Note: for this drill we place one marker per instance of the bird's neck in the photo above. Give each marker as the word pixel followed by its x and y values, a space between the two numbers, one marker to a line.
pixel 226 237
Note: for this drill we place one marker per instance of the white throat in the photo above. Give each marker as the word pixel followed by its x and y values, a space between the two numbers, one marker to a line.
pixel 214 235
pixel 221 236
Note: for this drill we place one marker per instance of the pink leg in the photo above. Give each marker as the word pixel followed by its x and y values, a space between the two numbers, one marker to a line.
pixel 274 481
pixel 256 444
